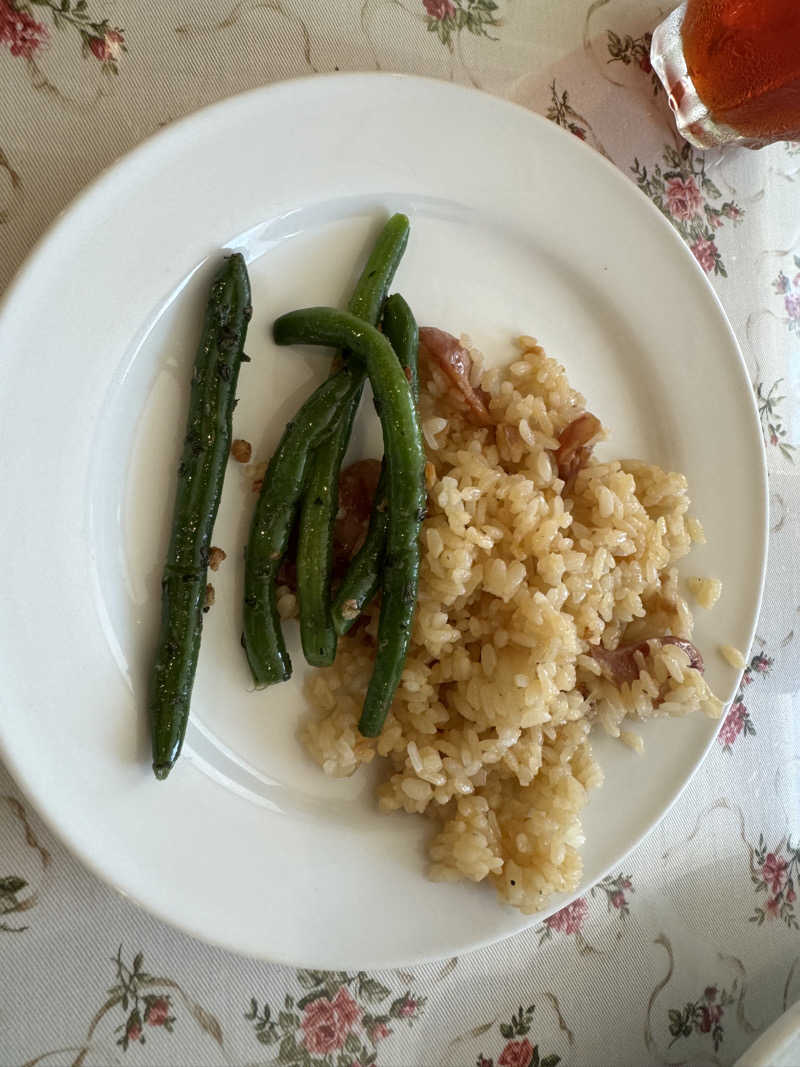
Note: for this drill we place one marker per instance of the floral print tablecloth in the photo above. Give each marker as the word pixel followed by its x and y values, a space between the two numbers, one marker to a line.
pixel 690 949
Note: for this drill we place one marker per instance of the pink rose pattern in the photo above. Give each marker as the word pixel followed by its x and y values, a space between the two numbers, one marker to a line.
pixel 447 19
pixel 684 199
pixel 25 36
pixel 157 1012
pixel 518 1050
pixel 143 1009
pixel 569 921
pixel 705 252
pixel 516 1054
pixel 677 184
pixel 738 722
pixel 789 289
pixel 702 1016
pixel 340 1016
pixel 633 51
pixel 439 9
pixel 680 188
pixel 786 286
pixel 773 871
pixel 776 873
pixel 378 1032
pixel 133 1031
pixel 146 1008
pixel 615 889
pixel 20 31
pixel 108 47
pixel 326 1023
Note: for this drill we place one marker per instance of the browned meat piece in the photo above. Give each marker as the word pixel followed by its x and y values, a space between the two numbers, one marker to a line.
pixel 454 361
pixel 357 485
pixel 573 445
pixel 621 666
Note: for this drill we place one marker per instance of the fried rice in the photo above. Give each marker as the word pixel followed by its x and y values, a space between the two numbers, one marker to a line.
pixel 526 578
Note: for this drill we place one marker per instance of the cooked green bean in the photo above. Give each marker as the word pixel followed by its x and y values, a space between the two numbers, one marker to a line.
pixel 405 464
pixel 315 539
pixel 384 259
pixel 277 504
pixel 321 496
pixel 361 582
pixel 400 327
pixel 200 475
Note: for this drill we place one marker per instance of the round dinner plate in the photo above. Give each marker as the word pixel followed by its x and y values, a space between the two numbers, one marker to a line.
pixel 517 227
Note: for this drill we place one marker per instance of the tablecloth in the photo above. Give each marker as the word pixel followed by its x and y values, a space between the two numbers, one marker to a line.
pixel 692 947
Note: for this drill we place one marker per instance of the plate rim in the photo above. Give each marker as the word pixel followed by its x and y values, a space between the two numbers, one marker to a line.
pixel 159 141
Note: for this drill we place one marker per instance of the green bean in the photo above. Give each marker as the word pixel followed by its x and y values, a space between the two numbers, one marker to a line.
pixel 405 464
pixel 321 495
pixel 400 327
pixel 200 476
pixel 315 539
pixel 384 259
pixel 272 522
pixel 361 582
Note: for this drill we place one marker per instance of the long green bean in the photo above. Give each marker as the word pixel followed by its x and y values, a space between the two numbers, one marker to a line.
pixel 320 497
pixel 200 476
pixel 277 505
pixel 405 462
pixel 362 580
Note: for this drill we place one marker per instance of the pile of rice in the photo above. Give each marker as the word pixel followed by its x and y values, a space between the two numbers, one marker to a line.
pixel 489 731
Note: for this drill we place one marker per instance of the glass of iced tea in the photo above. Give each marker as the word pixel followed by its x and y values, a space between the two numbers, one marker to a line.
pixel 731 69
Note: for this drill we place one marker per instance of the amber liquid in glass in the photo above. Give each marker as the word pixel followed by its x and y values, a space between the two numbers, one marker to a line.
pixel 743 57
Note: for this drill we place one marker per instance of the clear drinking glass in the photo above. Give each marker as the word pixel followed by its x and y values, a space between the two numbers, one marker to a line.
pixel 731 69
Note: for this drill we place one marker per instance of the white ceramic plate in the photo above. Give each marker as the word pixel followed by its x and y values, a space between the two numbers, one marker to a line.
pixel 778 1046
pixel 516 227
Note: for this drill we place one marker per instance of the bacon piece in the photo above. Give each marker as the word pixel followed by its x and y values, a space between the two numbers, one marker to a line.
pixel 573 445
pixel 357 485
pixel 454 361
pixel 620 664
